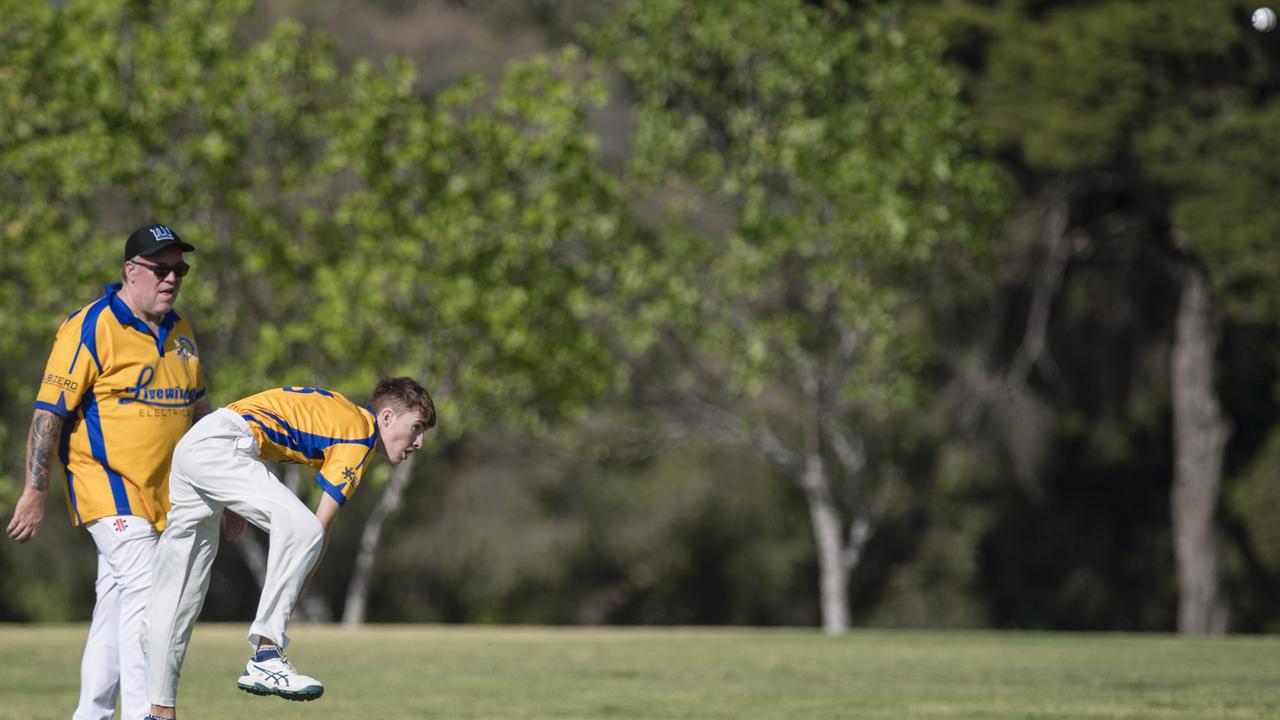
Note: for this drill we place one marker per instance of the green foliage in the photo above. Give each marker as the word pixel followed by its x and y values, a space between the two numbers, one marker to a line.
pixel 482 227
pixel 833 152
pixel 55 154
pixel 1173 95
pixel 1221 173
pixel 1070 87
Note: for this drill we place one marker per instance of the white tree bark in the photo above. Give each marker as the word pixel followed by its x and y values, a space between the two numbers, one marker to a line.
pixel 1200 436
pixel 833 574
pixel 353 612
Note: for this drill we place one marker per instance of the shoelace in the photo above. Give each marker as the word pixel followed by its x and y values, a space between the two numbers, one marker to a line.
pixel 283 661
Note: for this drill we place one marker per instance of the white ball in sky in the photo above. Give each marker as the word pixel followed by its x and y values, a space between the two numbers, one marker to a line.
pixel 1264 19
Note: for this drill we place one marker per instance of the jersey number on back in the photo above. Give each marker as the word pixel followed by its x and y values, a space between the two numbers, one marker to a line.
pixel 307 390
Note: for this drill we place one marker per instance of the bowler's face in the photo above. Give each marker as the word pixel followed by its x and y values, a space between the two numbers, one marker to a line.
pixel 156 295
pixel 401 432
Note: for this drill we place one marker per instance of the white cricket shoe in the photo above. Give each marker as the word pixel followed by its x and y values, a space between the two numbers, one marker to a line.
pixel 277 676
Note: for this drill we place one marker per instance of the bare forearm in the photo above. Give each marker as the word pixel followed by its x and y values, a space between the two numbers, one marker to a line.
pixel 42 446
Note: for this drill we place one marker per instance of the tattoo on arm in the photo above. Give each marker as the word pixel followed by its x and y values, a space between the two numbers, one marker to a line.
pixel 42 442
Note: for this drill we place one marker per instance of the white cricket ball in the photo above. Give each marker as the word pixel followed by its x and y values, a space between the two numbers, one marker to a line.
pixel 1264 19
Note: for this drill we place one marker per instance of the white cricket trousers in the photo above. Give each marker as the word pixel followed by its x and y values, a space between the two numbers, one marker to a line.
pixel 112 664
pixel 216 466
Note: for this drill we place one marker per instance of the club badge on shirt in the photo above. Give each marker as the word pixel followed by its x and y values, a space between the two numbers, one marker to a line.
pixel 186 347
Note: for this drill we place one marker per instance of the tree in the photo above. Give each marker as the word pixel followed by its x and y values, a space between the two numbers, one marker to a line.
pixel 1144 101
pixel 820 171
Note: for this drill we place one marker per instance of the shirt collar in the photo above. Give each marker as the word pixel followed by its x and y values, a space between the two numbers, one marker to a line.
pixel 125 315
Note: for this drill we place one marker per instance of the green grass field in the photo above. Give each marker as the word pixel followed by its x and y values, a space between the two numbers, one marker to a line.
pixel 487 672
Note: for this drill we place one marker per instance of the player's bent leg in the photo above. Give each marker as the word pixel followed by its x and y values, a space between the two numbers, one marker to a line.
pixel 296 540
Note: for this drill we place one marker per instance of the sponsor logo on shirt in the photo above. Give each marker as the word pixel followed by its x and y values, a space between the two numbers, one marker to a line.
pixel 158 396
pixel 60 382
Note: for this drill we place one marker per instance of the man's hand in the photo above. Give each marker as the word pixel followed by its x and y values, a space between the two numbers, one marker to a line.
pixel 28 514
pixel 233 526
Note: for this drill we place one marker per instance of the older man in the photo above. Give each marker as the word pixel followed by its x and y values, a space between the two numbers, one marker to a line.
pixel 121 386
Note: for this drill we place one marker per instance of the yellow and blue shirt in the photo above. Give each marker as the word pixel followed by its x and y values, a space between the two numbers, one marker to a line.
pixel 315 427
pixel 127 395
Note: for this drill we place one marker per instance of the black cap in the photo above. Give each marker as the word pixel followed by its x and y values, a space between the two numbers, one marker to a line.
pixel 149 239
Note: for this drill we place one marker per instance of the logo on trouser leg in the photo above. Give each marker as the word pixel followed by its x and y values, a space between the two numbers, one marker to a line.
pixel 121 524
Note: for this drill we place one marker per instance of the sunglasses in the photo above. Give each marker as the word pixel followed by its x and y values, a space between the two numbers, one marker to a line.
pixel 162 271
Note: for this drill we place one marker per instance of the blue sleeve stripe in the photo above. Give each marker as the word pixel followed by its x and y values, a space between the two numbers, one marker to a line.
pixel 333 491
pixel 89 333
pixel 58 408
pixel 98 447
pixel 365 459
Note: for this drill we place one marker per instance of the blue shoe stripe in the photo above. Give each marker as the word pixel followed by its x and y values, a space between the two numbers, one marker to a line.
pixel 272 675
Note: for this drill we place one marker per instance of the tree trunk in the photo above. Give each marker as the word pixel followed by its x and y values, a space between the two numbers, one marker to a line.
pixel 1200 435
pixel 833 572
pixel 370 543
